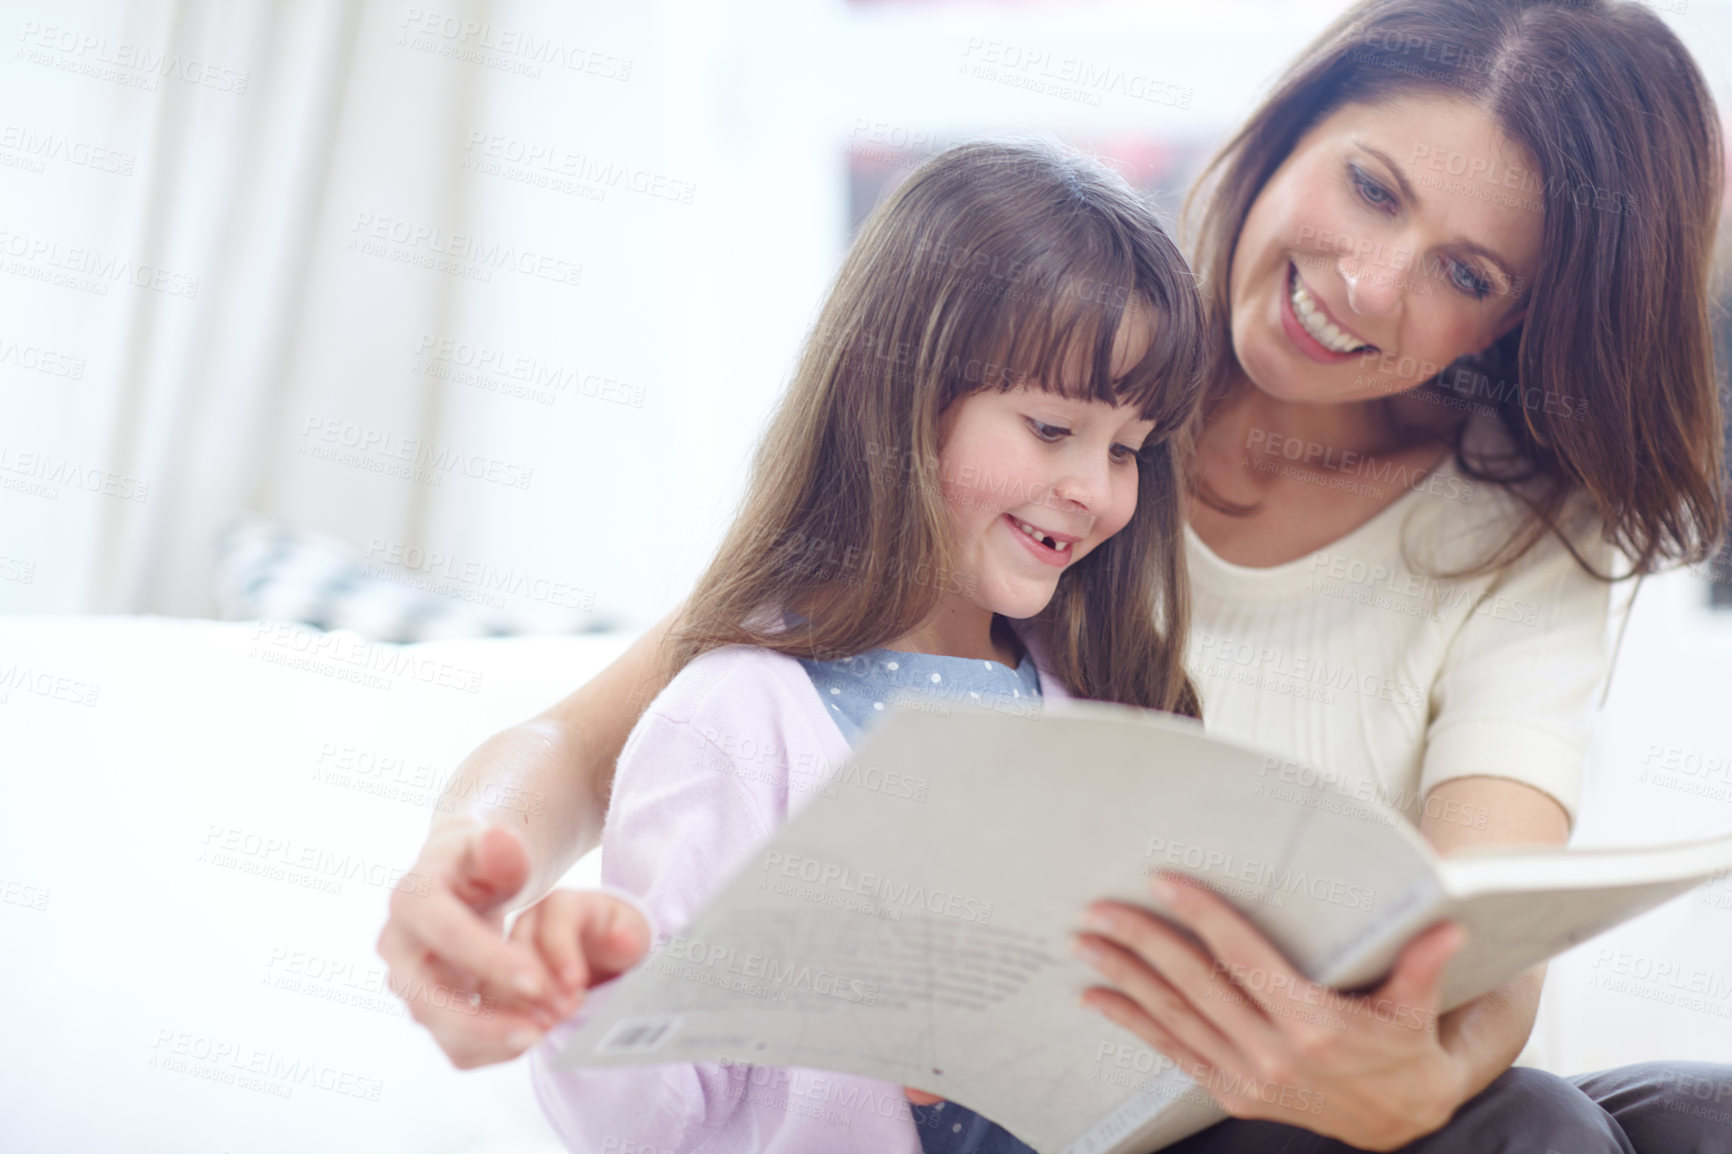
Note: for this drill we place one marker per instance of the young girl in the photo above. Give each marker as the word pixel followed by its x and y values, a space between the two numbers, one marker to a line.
pixel 971 490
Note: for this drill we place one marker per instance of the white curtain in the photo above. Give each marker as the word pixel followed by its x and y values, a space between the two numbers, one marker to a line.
pixel 169 161
pixel 503 291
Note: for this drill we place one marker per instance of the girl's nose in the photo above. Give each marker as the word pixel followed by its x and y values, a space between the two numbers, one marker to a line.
pixel 1080 489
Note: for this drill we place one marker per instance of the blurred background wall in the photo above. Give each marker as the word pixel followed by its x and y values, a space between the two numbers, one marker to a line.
pixel 493 299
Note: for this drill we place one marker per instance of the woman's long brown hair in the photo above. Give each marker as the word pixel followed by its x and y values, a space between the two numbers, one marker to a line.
pixel 994 264
pixel 1627 142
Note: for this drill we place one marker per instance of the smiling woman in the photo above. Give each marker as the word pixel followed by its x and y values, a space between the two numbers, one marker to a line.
pixel 1437 200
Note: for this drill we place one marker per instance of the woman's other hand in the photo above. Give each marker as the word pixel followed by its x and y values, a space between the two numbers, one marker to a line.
pixel 1264 1041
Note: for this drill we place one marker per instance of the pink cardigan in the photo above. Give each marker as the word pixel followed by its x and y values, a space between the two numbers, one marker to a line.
pixel 737 742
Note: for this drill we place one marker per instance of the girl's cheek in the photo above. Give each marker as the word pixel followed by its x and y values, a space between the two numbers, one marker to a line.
pixel 1124 508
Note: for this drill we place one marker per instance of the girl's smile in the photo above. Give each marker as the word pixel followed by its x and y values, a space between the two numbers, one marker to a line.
pixel 1033 482
pixel 1048 547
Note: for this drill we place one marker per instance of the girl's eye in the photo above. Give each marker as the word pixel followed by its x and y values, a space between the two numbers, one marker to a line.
pixel 1468 281
pixel 1046 432
pixel 1123 454
pixel 1370 191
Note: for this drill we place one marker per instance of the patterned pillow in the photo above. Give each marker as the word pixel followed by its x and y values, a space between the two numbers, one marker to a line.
pixel 279 572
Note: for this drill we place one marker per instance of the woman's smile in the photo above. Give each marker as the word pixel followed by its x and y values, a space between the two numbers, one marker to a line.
pixel 1313 328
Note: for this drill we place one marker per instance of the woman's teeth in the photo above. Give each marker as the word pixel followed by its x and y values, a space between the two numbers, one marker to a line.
pixel 1056 546
pixel 1311 319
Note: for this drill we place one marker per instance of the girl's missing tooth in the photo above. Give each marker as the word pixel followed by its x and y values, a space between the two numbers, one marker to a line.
pixel 982 447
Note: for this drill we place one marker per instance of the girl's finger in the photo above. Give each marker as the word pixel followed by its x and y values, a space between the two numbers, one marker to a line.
pixel 556 936
pixel 615 935
pixel 441 923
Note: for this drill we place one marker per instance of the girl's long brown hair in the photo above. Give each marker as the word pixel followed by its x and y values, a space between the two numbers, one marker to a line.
pixel 1627 142
pixel 994 264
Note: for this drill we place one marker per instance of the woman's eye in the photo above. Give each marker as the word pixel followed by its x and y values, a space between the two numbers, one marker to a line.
pixel 1464 278
pixel 1370 191
pixel 1047 432
pixel 1123 454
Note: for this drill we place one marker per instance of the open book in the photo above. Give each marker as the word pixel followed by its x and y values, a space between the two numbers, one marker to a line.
pixel 922 934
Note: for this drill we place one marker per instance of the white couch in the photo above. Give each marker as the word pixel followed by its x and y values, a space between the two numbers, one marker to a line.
pixel 209 816
pixel 199 823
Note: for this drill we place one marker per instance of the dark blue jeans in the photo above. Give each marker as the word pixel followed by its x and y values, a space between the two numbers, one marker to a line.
pixel 1650 1108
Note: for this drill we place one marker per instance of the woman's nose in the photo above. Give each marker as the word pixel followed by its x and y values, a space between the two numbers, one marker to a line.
pixel 1371 291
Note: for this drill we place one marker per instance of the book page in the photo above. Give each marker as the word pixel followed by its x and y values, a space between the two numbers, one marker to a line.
pixel 923 935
